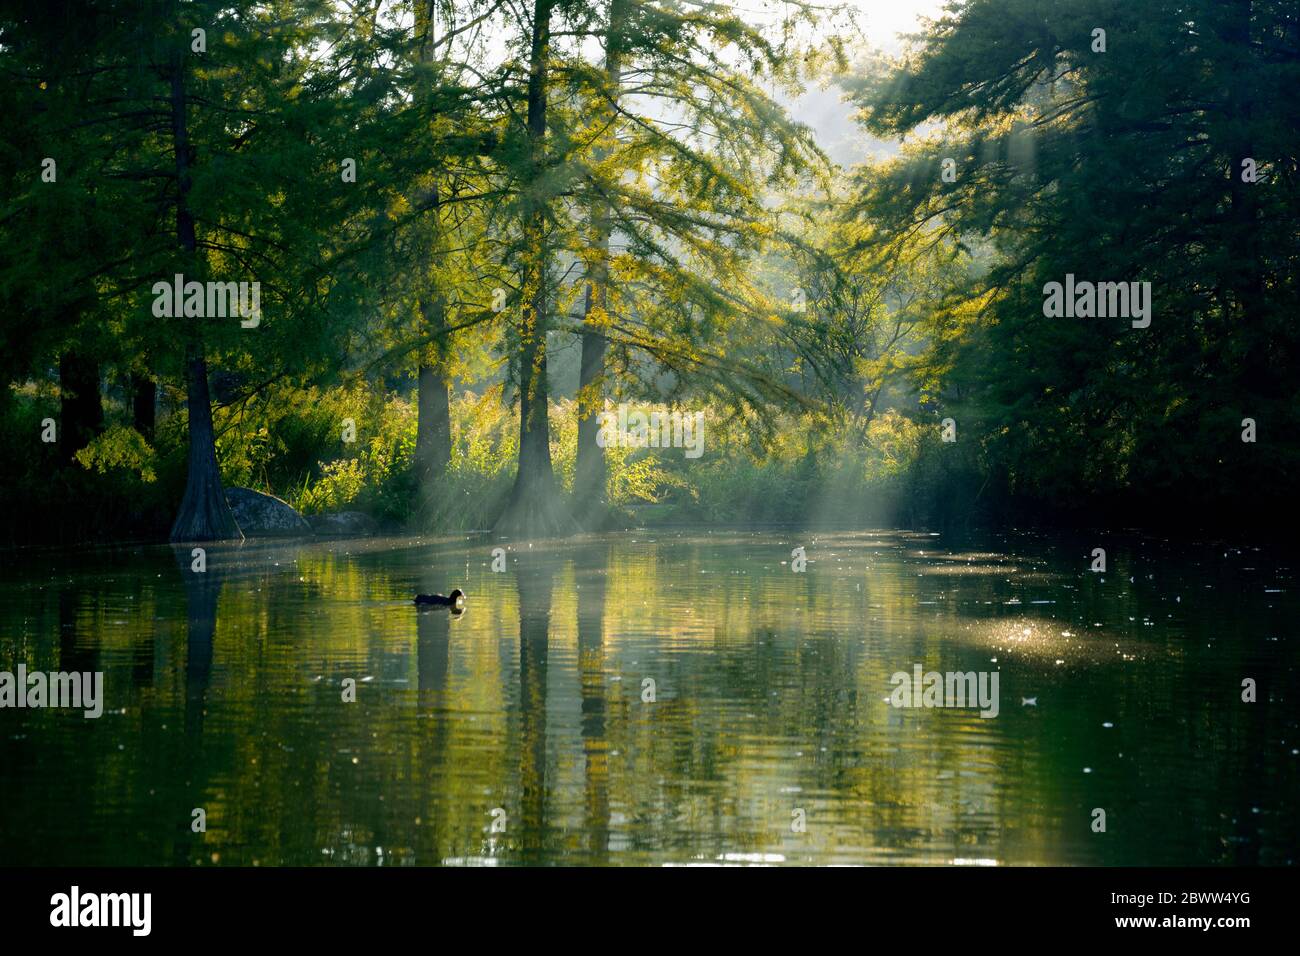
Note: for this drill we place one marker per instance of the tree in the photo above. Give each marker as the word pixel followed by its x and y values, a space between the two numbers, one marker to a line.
pixel 683 147
pixel 535 507
pixel 1128 165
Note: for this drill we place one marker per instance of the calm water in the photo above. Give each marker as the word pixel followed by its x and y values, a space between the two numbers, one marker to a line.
pixel 224 691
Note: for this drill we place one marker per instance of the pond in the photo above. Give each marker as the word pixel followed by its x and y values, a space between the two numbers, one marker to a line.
pixel 655 697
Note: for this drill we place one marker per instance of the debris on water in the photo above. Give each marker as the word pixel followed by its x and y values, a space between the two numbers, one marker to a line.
pixel 1028 701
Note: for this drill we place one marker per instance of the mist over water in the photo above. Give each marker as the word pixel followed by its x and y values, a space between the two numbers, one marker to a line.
pixel 223 691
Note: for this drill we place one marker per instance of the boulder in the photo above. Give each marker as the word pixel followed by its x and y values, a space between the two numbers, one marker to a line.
pixel 265 516
pixel 344 523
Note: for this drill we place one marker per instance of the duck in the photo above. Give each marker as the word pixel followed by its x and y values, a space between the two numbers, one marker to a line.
pixel 455 600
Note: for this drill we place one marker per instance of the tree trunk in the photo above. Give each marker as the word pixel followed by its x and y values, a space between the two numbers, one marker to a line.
pixel 433 425
pixel 591 472
pixel 535 508
pixel 81 411
pixel 204 512
pixel 144 405
pixel 433 422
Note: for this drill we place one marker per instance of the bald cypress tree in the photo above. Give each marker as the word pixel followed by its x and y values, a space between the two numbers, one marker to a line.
pixel 535 506
pixel 658 191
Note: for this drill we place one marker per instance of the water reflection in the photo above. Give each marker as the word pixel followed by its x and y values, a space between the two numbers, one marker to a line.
pixel 769 739
pixel 590 565
pixel 534 578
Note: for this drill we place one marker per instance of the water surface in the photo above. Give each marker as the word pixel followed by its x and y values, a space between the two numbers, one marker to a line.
pixel 224 691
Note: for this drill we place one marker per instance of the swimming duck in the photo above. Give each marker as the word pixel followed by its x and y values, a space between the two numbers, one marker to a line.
pixel 455 600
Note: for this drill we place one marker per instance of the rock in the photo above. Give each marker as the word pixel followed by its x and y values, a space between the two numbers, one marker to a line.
pixel 265 516
pixel 344 523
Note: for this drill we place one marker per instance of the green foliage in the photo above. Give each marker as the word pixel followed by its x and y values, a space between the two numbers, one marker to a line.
pixel 119 447
pixel 636 180
pixel 1123 165
pixel 118 487
pixel 377 477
